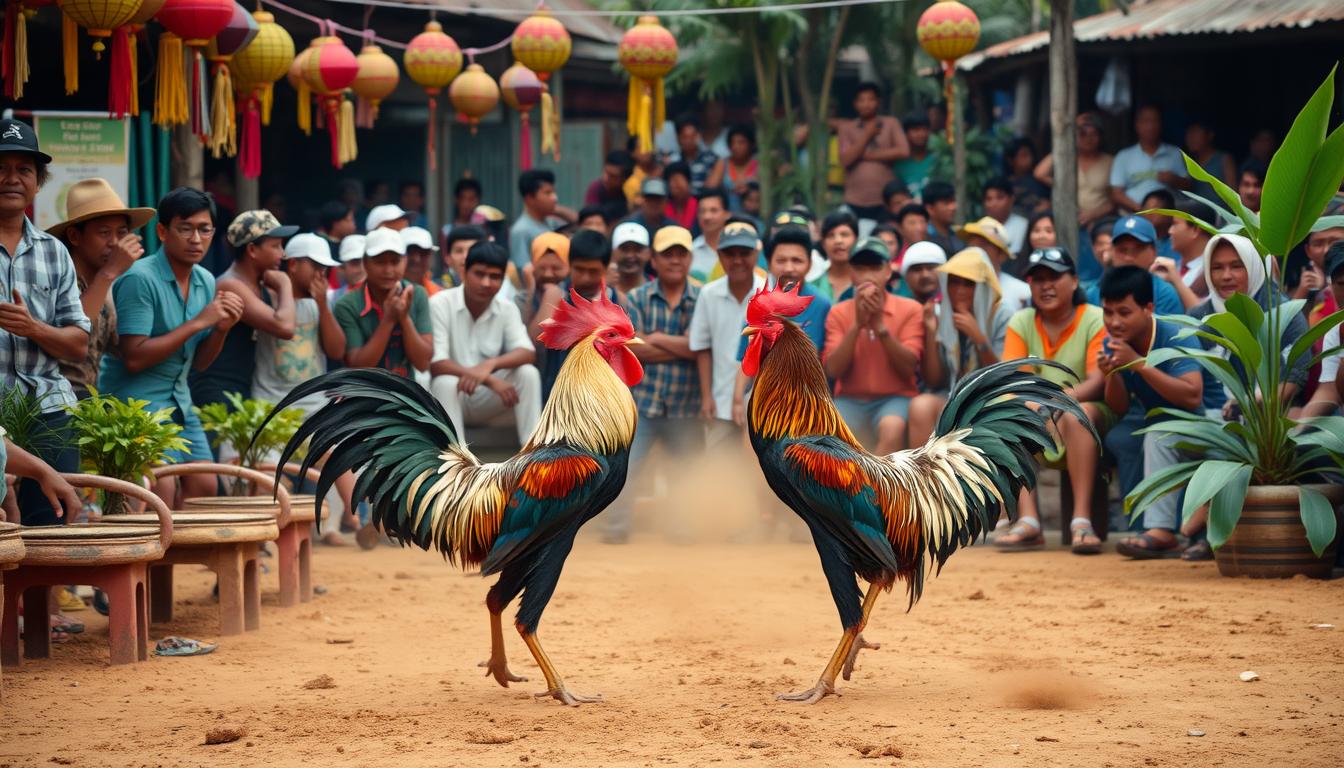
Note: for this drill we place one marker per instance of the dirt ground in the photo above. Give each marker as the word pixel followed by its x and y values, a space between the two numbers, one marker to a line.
pixel 1041 659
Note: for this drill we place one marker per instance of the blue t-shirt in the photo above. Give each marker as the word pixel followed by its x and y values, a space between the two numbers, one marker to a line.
pixel 812 320
pixel 1165 299
pixel 1139 389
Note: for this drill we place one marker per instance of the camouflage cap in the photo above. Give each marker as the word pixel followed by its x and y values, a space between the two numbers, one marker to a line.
pixel 249 226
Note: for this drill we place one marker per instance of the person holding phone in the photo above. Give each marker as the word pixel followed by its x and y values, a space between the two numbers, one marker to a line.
pixel 386 321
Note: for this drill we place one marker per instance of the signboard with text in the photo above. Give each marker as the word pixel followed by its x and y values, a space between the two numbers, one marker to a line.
pixel 82 146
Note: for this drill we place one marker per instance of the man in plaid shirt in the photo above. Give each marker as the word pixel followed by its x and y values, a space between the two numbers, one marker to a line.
pixel 668 397
pixel 41 318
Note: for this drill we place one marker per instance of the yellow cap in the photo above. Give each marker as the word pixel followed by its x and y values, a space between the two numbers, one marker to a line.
pixel 669 236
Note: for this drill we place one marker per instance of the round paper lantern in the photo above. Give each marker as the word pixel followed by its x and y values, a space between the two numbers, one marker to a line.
pixel 432 60
pixel 100 17
pixel 948 30
pixel 148 9
pixel 474 94
pixel 377 79
pixel 522 90
pixel 328 70
pixel 235 36
pixel 294 76
pixel 195 21
pixel 648 52
pixel 541 43
pixel 191 23
pixel 256 68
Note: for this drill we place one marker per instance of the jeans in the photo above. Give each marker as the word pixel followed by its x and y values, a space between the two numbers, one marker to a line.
pixel 681 439
pixel 55 444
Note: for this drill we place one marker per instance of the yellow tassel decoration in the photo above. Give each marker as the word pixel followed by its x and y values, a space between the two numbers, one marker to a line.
pixel 70 53
pixel 21 68
pixel 632 108
pixel 223 118
pixel 170 88
pixel 659 105
pixel 305 110
pixel 348 148
pixel 645 131
pixel 550 126
pixel 266 96
pixel 135 73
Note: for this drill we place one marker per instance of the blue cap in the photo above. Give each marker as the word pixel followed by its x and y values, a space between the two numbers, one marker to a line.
pixel 1136 227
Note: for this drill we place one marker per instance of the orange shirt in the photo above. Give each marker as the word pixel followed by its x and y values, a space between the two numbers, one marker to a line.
pixel 870 375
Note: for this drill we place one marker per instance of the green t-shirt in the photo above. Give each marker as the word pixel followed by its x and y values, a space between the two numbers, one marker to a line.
pixel 359 316
pixel 1075 350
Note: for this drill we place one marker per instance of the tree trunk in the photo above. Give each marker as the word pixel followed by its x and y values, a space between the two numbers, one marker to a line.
pixel 1063 113
pixel 766 65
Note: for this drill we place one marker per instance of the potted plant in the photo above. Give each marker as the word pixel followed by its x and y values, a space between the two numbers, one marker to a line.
pixel 123 439
pixel 236 423
pixel 1276 476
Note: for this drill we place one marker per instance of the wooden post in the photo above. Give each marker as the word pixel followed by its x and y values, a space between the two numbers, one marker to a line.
pixel 188 167
pixel 1063 113
pixel 248 190
pixel 957 121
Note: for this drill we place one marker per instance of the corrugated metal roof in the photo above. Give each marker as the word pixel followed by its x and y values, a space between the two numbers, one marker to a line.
pixel 597 28
pixel 1170 18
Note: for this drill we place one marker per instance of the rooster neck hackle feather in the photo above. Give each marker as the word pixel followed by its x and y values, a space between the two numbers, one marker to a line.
pixel 589 406
pixel 791 397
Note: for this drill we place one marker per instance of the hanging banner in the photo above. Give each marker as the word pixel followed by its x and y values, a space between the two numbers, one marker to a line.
pixel 82 145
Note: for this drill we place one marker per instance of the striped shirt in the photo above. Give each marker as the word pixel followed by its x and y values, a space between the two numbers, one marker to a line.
pixel 44 276
pixel 669 389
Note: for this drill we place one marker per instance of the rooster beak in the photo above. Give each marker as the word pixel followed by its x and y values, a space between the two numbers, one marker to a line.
pixel 634 340
pixel 750 331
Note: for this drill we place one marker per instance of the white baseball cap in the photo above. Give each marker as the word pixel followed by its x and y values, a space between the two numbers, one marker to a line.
pixel 382 214
pixel 630 232
pixel 383 240
pixel 352 248
pixel 306 245
pixel 418 237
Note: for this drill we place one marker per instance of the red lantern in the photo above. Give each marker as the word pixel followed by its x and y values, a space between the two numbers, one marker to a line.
pixel 522 90
pixel 648 52
pixel 948 30
pixel 328 70
pixel 193 23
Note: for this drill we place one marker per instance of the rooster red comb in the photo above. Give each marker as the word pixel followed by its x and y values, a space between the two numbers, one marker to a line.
pixel 782 302
pixel 578 318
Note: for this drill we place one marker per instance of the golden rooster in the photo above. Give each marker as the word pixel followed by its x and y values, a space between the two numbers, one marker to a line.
pixel 882 518
pixel 517 518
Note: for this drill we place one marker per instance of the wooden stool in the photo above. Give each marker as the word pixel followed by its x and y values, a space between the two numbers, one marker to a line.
pixel 11 552
pixel 112 557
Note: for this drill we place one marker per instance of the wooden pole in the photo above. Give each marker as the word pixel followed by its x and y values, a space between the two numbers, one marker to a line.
pixel 956 131
pixel 1063 114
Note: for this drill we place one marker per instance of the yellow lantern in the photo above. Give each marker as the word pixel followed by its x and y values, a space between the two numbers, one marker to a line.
pixel 100 17
pixel 474 94
pixel 262 62
pixel 432 61
pixel 377 79
pixel 648 52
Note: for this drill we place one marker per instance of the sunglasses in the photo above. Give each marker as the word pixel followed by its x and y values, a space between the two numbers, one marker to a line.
pixel 1053 255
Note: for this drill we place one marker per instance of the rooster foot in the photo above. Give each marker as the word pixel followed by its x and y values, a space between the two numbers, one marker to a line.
pixel 500 671
pixel 812 695
pixel 562 695
pixel 859 645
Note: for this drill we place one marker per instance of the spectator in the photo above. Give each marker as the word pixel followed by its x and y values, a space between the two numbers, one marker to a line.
pixel 941 201
pixel 1041 233
pixel 919 272
pixel 550 266
pixel 997 200
pixel 589 255
pixel 1060 326
pixel 42 321
pixel 839 232
pixel 171 319
pixel 1251 183
pixel 751 202
pixel 466 196
pixel 420 250
pixel 387 216
pixel 1147 165
pixel 1164 200
pixel 713 134
pixel 335 222
pixel 668 398
pixel 988 236
pixel 1185 271
pixel 1215 162
pixel 608 190
pixel 1133 245
pixel 912 221
pixel 268 307
pixel 1100 236
pixel 630 256
pixel 680 206
pixel 483 358
pixel 704 169
pixel 537 188
pixel 352 266
pixel 892 239
pixel 1094 174
pixel 646 167
pixel 386 325
pixel 411 198
pixel 740 168
pixel 1019 162
pixel 1260 150
pixel 100 235
pixel 1311 277
pixel 717 322
pixel 1132 334
pixel 653 200
pixel 914 169
pixel 869 144
pixel 711 214
pixel 595 218
pixel 895 196
pixel 962 334
pixel 873 346
pixel 1329 392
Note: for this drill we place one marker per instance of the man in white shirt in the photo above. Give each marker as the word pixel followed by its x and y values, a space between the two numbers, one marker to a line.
pixel 716 325
pixel 998 201
pixel 1148 165
pixel 988 234
pixel 482 366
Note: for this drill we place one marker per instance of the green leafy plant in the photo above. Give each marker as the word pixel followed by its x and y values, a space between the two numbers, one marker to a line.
pixel 21 418
pixel 982 152
pixel 123 439
pixel 1265 447
pixel 238 422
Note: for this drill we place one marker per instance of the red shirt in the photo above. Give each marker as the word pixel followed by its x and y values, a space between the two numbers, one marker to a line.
pixel 685 217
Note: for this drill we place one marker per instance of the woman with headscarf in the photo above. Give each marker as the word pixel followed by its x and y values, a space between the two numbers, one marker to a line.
pixel 963 332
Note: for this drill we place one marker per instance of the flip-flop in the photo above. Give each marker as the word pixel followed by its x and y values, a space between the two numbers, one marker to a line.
pixel 66 624
pixel 1082 532
pixel 182 646
pixel 1198 551
pixel 1024 544
pixel 1152 549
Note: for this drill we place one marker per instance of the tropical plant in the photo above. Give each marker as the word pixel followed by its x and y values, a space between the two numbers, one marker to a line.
pixel 123 439
pixel 21 418
pixel 237 421
pixel 983 150
pixel 1264 447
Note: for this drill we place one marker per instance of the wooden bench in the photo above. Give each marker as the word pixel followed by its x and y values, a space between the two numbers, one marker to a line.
pixel 112 557
pixel 11 552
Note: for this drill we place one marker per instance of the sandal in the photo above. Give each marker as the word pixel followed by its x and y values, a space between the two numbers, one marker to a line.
pixel 1148 547
pixel 66 624
pixel 1080 544
pixel 1028 538
pixel 59 636
pixel 182 646
pixel 1198 551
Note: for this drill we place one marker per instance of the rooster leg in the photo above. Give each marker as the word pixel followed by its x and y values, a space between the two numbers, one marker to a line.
pixel 826 683
pixel 859 644
pixel 555 687
pixel 498 665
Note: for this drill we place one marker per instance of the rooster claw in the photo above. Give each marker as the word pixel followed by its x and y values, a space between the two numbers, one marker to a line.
pixel 500 671
pixel 859 645
pixel 812 695
pixel 562 695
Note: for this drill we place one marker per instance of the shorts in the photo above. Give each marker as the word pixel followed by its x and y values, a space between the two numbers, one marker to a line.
pixel 861 414
pixel 198 446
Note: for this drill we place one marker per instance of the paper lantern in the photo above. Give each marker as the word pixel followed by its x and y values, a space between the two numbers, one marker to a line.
pixel 294 75
pixel 648 52
pixel 522 89
pixel 432 60
pixel 220 51
pixel 99 17
pixel 474 94
pixel 328 70
pixel 256 68
pixel 102 19
pixel 191 23
pixel 948 30
pixel 542 44
pixel 377 79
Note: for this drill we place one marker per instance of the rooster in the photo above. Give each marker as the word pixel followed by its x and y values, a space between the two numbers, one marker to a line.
pixel 517 518
pixel 880 517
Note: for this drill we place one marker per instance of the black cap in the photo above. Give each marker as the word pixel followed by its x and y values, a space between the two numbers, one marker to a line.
pixel 1334 259
pixel 18 136
pixel 916 118
pixel 870 251
pixel 1054 258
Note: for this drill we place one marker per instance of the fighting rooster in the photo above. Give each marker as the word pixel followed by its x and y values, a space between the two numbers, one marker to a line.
pixel 879 517
pixel 517 518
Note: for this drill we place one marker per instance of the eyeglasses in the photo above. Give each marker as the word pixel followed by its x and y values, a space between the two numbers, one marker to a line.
pixel 186 231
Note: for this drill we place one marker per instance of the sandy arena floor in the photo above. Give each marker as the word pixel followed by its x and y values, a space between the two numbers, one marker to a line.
pixel 1036 659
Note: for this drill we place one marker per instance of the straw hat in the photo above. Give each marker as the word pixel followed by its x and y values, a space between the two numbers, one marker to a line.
pixel 93 198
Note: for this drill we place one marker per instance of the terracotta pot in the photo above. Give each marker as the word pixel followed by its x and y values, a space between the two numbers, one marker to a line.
pixel 1269 541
